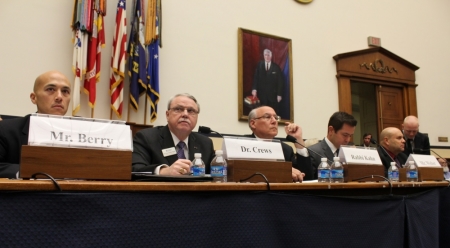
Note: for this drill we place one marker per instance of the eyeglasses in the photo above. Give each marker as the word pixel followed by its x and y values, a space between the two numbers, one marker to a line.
pixel 411 131
pixel 268 117
pixel 179 110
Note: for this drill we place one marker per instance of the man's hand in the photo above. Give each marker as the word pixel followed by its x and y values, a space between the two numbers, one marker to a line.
pixel 295 131
pixel 180 167
pixel 297 176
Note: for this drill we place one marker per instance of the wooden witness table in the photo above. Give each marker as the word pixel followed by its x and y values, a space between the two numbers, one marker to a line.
pixel 195 214
pixel 129 186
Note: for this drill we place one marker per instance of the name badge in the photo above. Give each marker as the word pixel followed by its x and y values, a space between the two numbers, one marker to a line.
pixel 423 160
pixel 169 151
pixel 356 155
pixel 252 149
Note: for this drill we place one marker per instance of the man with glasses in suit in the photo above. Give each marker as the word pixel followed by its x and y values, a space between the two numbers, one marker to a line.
pixel 168 150
pixel 263 122
pixel 416 142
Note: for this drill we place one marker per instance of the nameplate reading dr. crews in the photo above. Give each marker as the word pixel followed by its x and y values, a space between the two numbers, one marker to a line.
pixel 252 149
pixel 78 132
pixel 354 155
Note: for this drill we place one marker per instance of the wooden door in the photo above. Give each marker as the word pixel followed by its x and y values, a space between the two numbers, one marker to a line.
pixel 390 107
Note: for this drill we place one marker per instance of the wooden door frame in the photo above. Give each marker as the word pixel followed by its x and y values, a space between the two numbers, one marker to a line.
pixel 376 66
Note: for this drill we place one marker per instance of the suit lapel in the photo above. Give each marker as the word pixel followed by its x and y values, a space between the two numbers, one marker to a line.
pixel 166 141
pixel 327 150
pixel 193 146
pixel 25 130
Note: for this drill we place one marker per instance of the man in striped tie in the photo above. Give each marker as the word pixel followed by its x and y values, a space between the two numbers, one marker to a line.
pixel 168 150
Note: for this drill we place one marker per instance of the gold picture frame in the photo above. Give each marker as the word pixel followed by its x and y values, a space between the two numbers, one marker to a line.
pixel 256 86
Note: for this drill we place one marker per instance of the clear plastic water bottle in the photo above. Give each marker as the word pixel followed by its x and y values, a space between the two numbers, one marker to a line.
pixel 323 171
pixel 393 173
pixel 219 167
pixel 198 166
pixel 336 171
pixel 412 173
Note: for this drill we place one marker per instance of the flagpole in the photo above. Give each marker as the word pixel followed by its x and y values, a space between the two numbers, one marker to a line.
pixel 92 113
pixel 128 113
pixel 145 113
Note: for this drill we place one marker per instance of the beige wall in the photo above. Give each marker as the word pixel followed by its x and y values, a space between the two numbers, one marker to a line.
pixel 199 53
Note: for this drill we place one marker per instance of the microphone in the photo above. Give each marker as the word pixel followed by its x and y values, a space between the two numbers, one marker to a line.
pixel 294 140
pixel 373 141
pixel 207 130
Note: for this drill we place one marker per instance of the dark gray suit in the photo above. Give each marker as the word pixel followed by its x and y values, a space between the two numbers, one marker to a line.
pixel 149 143
pixel 421 141
pixel 13 134
pixel 322 149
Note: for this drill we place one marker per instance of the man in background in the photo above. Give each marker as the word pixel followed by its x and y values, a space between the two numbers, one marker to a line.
pixel 51 95
pixel 268 82
pixel 416 142
pixel 341 128
pixel 391 148
pixel 168 150
pixel 367 140
pixel 263 122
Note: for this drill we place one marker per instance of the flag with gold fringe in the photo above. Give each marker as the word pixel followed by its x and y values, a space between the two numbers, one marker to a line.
pixel 96 42
pixel 153 62
pixel 118 59
pixel 137 59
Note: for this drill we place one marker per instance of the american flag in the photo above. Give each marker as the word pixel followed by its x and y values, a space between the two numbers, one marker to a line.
pixel 118 59
pixel 97 41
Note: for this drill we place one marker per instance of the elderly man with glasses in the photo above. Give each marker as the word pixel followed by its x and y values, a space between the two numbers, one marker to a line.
pixel 416 142
pixel 263 122
pixel 168 150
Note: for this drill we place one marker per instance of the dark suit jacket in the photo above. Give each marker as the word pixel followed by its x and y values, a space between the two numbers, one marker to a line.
pixel 386 159
pixel 149 143
pixel 298 161
pixel 421 141
pixel 268 84
pixel 323 150
pixel 13 134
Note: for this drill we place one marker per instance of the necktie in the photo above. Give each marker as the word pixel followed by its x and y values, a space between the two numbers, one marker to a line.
pixel 337 153
pixel 180 152
pixel 399 165
pixel 267 66
pixel 411 145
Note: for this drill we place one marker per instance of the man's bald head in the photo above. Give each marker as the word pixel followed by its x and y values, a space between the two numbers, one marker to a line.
pixel 410 126
pixel 51 93
pixel 391 138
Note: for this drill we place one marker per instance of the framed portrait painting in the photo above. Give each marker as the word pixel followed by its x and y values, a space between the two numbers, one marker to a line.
pixel 265 74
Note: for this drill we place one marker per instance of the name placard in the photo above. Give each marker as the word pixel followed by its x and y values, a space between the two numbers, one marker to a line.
pixel 252 149
pixel 424 160
pixel 64 131
pixel 356 155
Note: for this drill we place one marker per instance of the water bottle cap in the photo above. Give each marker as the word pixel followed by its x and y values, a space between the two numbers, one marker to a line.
pixel 219 152
pixel 393 163
pixel 197 155
pixel 336 158
pixel 323 159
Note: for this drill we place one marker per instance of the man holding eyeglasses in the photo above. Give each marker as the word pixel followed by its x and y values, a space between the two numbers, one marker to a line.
pixel 263 122
pixel 416 142
pixel 168 150
pixel 341 127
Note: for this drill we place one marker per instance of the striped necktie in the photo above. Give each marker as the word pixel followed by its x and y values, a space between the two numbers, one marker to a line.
pixel 180 152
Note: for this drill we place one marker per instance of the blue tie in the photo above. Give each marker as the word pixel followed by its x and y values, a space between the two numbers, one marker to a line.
pixel 180 152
